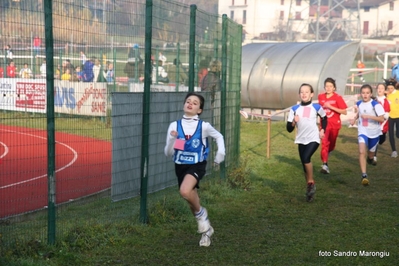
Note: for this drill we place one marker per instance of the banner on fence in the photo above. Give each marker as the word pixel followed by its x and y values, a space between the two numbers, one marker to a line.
pixel 29 95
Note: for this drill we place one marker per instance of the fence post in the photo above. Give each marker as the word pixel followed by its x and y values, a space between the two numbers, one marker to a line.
pixel 114 69
pixel 269 126
pixel 177 83
pixel 5 64
pixel 191 61
pixel 48 22
pixel 146 111
pixel 223 88
pixel 196 63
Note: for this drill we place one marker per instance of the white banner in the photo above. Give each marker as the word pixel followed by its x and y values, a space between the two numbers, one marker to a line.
pixel 78 98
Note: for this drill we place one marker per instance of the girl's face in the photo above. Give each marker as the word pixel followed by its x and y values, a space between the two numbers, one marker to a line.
pixel 305 93
pixel 366 94
pixel 329 87
pixel 381 90
pixel 390 89
pixel 192 106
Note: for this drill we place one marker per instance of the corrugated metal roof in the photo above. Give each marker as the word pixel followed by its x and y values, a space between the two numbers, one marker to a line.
pixel 273 72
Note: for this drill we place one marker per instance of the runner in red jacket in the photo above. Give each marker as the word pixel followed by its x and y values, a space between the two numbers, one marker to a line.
pixel 334 105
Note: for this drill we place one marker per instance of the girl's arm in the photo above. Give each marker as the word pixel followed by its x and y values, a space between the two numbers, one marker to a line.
pixel 210 131
pixel 323 122
pixel 170 139
pixel 291 121
pixel 341 106
pixel 375 118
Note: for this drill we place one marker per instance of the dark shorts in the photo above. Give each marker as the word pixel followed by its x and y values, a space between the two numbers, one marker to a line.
pixel 197 170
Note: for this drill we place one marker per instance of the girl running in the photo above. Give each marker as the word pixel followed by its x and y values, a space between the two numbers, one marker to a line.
pixel 304 117
pixel 187 141
pixel 381 90
pixel 370 114
pixel 334 105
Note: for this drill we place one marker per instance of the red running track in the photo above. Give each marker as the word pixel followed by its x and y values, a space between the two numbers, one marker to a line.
pixel 83 167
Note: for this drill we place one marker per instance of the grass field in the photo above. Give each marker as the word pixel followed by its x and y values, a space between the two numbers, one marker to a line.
pixel 262 220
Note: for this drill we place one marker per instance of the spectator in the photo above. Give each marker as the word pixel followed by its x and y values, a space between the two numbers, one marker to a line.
pixel 1 72
pixel 88 73
pixel 96 69
pixel 134 71
pixel 11 70
pixel 78 73
pixel 9 53
pixel 66 75
pixel 25 72
pixel 37 42
pixel 43 69
pixel 70 66
pixel 83 57
pixel 134 53
pixel 109 73
pixel 162 58
pixel 203 70
pixel 159 75
pixel 211 82
pixel 360 65
pixel 395 68
pixel 176 71
pixel 58 72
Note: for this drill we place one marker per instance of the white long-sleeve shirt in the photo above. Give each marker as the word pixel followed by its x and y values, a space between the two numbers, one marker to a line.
pixel 189 125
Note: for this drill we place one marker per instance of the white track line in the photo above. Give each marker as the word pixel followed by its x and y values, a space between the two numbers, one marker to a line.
pixel 75 157
pixel 5 150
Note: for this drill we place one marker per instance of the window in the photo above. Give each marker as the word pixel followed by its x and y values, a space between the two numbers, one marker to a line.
pixel 367 9
pixel 297 15
pixel 365 28
pixel 391 5
pixel 281 14
pixel 244 17
pixel 282 2
pixel 232 15
pixel 390 25
pixel 298 2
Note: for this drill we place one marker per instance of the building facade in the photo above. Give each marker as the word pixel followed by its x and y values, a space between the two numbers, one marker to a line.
pixel 293 20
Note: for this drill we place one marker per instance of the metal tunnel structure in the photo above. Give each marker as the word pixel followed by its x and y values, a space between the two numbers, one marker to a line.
pixel 273 72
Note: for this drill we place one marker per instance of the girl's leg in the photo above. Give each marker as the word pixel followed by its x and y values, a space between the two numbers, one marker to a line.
pixel 362 157
pixel 333 139
pixel 391 124
pixel 189 192
pixel 325 145
pixel 396 121
pixel 382 139
pixel 305 154
pixel 309 172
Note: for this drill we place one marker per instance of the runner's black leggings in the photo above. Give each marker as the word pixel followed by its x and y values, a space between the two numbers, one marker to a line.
pixel 306 152
pixel 393 123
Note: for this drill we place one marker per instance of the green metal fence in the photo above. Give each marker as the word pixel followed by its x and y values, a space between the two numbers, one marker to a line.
pixel 58 127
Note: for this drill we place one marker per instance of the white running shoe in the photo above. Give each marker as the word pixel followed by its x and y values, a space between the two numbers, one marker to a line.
pixel 206 238
pixel 375 158
pixel 324 169
pixel 394 154
pixel 203 222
